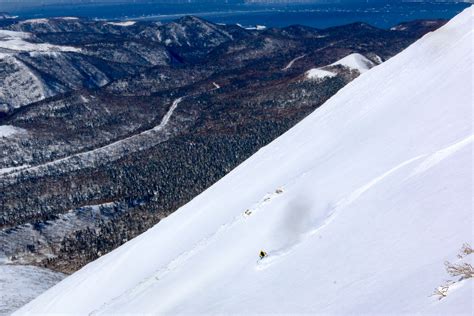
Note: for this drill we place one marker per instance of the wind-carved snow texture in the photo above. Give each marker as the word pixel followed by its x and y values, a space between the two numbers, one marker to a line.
pixel 299 224
pixel 442 154
pixel 368 195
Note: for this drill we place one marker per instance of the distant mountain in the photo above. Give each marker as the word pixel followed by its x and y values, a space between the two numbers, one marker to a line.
pixel 5 15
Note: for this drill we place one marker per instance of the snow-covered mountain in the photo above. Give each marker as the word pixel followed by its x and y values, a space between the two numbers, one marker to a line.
pixel 353 62
pixel 20 84
pixel 358 207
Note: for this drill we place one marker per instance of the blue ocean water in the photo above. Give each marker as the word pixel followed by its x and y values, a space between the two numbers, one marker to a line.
pixel 382 14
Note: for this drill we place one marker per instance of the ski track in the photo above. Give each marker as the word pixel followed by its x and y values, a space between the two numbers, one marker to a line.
pixel 278 254
pixel 430 161
pixel 442 154
pixel 357 193
pixel 186 255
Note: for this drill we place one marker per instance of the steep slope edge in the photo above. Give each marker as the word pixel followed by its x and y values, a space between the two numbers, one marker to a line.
pixel 358 206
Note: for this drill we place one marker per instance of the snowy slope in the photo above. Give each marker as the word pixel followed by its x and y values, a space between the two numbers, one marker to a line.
pixel 19 83
pixel 318 73
pixel 15 41
pixel 358 207
pixel 355 61
pixel 20 284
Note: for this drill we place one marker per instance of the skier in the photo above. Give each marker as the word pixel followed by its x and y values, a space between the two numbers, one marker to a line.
pixel 262 254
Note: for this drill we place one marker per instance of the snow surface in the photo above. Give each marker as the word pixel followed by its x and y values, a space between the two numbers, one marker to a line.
pixel 35 21
pixel 252 28
pixel 7 170
pixel 6 34
pixel 125 23
pixel 9 130
pixel 68 18
pixel 15 41
pixel 317 73
pixel 355 61
pixel 256 27
pixel 20 85
pixel 24 46
pixel 358 206
pixel 20 284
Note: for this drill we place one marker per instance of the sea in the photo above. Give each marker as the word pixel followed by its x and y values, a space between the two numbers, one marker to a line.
pixel 382 14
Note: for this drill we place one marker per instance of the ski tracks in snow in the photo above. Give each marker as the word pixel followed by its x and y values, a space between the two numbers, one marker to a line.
pixel 429 161
pixel 278 254
pixel 442 154
pixel 186 255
